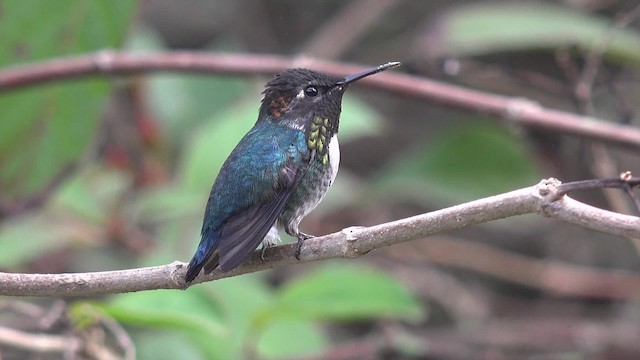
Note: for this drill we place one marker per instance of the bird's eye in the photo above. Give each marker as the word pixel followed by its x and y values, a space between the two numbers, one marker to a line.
pixel 311 91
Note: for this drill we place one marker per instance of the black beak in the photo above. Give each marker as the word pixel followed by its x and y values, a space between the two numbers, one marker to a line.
pixel 355 77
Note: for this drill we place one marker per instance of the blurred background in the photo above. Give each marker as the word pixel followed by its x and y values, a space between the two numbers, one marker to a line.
pixel 112 173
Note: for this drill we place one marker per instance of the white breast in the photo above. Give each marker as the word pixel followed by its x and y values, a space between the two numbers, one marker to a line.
pixel 334 156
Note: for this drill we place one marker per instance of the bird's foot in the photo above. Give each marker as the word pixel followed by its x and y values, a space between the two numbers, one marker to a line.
pixel 264 250
pixel 301 238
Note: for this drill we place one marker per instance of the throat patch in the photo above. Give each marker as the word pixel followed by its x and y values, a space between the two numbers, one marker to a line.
pixel 278 106
pixel 320 133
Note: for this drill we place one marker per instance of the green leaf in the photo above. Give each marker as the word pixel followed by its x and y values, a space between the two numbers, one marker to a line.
pixel 283 339
pixel 213 142
pixel 182 101
pixel 143 39
pixel 459 165
pixel 167 203
pixel 192 311
pixel 170 343
pixel 240 299
pixel 358 120
pixel 487 28
pixel 92 193
pixel 72 215
pixel 44 129
pixel 340 292
pixel 28 237
pixel 166 345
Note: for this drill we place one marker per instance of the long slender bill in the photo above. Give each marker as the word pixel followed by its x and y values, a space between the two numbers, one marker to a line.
pixel 355 77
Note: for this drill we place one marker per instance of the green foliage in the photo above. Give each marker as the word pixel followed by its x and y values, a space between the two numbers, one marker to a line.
pixel 166 345
pixel 213 142
pixel 488 28
pixel 231 316
pixel 166 204
pixel 167 309
pixel 460 165
pixel 345 293
pixel 35 236
pixel 182 102
pixel 358 120
pixel 91 193
pixel 73 215
pixel 285 338
pixel 45 128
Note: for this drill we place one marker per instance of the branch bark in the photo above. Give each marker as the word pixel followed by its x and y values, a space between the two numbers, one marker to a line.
pixel 545 199
pixel 516 110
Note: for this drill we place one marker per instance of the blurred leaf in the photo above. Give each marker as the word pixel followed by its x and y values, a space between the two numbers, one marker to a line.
pixel 341 292
pixel 92 193
pixel 143 39
pixel 192 311
pixel 182 101
pixel 74 214
pixel 460 165
pixel 165 345
pixel 212 143
pixel 239 299
pixel 175 215
pixel 167 203
pixel 491 27
pixel 149 344
pixel 45 128
pixel 289 338
pixel 358 120
pixel 28 237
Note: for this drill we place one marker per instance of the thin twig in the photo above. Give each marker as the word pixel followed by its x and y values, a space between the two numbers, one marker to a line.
pixel 41 343
pixel 604 165
pixel 617 183
pixel 634 197
pixel 516 110
pixel 349 243
pixel 594 57
pixel 122 337
pixel 9 208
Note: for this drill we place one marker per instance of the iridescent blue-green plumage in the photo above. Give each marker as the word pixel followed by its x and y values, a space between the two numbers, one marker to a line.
pixel 255 181
pixel 278 172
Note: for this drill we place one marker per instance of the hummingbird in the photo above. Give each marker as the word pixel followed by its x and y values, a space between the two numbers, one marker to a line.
pixel 279 171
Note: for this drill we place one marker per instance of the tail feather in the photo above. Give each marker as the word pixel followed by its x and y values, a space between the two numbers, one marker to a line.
pixel 206 256
pixel 193 270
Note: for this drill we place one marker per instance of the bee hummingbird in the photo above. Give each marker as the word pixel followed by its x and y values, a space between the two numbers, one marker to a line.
pixel 278 172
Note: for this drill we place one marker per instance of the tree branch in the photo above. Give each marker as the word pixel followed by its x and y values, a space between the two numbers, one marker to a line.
pixel 544 199
pixel 516 110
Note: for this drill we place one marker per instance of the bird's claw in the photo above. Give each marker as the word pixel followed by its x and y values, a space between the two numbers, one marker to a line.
pixel 301 238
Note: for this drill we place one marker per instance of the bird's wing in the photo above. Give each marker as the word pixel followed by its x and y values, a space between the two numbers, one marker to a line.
pixel 251 190
pixel 243 232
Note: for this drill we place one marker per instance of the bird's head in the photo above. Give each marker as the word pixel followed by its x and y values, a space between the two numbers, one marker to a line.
pixel 297 97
